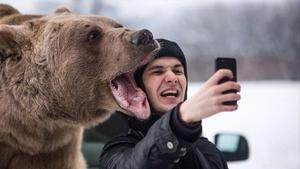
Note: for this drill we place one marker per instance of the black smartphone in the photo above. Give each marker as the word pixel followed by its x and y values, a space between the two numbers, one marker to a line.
pixel 227 63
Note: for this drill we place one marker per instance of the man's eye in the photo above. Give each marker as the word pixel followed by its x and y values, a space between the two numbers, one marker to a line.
pixel 178 72
pixel 157 72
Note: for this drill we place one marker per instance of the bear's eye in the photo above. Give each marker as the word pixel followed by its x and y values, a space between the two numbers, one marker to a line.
pixel 94 35
pixel 118 26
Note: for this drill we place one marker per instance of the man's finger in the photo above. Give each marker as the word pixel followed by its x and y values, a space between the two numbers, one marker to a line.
pixel 228 97
pixel 216 77
pixel 228 108
pixel 228 86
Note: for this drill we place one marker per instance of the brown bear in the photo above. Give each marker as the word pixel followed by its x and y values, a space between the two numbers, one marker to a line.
pixel 59 73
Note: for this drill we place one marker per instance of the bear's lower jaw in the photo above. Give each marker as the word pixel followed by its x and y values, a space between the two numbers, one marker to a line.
pixel 129 96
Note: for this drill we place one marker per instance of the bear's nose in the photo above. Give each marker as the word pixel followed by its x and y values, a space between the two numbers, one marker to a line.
pixel 141 37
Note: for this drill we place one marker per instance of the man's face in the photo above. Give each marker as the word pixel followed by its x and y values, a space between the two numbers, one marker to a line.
pixel 165 83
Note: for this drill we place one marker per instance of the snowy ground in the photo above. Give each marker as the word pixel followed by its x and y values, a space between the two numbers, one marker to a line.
pixel 268 116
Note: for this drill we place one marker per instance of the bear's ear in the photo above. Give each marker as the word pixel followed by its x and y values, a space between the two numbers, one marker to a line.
pixel 6 10
pixel 9 48
pixel 62 10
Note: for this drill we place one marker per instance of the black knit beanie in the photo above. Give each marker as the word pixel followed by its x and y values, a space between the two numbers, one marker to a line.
pixel 168 48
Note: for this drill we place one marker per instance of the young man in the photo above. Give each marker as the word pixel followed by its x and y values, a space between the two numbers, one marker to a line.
pixel 170 138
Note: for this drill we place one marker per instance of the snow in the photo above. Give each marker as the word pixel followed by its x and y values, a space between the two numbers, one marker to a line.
pixel 268 116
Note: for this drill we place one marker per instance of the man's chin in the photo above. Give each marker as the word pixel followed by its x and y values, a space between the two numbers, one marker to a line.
pixel 165 108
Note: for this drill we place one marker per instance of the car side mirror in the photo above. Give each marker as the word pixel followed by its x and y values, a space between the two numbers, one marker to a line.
pixel 234 146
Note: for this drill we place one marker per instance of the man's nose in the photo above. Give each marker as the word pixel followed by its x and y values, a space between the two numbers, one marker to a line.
pixel 171 77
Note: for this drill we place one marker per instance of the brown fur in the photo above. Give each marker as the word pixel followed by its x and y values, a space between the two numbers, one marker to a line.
pixel 53 82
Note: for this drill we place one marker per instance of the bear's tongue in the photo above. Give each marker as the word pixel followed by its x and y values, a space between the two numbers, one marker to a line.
pixel 129 96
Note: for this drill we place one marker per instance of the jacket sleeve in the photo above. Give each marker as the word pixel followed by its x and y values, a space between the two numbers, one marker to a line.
pixel 206 153
pixel 160 148
pixel 214 158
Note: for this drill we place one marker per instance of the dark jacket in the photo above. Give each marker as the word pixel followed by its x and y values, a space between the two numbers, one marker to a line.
pixel 162 147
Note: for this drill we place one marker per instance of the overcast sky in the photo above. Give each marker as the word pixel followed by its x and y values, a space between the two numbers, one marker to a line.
pixel 142 7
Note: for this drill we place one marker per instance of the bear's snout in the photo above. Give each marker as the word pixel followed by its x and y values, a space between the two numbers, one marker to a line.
pixel 141 37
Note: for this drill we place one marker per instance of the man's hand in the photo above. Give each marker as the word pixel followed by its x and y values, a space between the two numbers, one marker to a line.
pixel 208 100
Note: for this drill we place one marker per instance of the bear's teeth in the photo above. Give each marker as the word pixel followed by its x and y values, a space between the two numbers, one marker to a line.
pixel 115 85
pixel 138 98
pixel 125 103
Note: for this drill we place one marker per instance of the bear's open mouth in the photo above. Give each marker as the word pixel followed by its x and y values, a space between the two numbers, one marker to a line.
pixel 129 96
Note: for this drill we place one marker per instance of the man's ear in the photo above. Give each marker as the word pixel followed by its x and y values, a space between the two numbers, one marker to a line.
pixel 9 48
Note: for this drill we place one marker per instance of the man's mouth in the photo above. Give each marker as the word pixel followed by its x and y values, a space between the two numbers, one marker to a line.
pixel 170 93
pixel 129 96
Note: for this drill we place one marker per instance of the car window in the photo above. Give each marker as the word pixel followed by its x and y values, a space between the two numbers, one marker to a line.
pixel 95 138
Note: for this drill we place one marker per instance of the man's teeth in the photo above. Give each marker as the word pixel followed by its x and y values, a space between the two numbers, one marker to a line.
pixel 170 93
